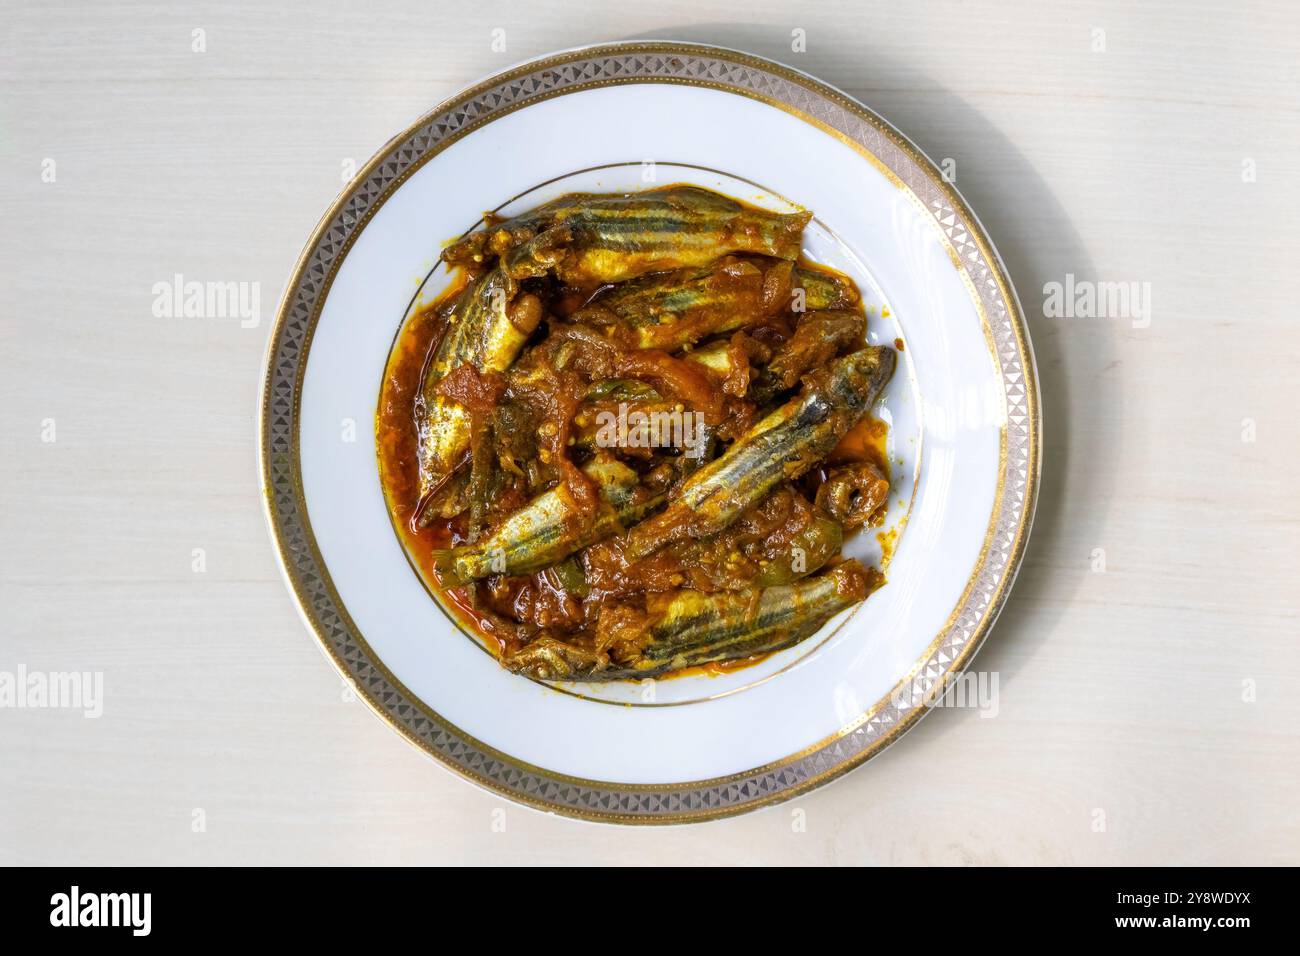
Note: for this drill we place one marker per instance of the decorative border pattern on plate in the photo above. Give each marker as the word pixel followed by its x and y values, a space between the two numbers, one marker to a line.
pixel 304 568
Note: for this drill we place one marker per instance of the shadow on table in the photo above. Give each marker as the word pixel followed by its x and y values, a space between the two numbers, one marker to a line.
pixel 1006 192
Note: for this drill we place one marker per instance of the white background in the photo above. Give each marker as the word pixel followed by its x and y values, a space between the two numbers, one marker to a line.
pixel 1122 734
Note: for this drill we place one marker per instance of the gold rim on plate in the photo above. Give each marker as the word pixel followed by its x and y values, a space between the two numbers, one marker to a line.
pixel 835 114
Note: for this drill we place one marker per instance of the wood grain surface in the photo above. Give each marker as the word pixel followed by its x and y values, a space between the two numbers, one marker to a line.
pixel 1148 659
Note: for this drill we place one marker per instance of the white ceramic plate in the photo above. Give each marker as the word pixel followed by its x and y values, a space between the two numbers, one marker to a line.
pixel 963 411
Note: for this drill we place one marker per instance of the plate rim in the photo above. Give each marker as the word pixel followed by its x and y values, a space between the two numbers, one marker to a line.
pixel 607 801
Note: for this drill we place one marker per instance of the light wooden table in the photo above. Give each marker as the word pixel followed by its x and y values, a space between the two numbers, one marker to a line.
pixel 1148 713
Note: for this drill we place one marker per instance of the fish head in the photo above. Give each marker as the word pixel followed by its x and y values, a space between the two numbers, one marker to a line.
pixel 860 376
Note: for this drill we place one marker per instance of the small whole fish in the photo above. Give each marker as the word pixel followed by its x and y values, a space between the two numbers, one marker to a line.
pixel 586 240
pixel 550 528
pixel 689 628
pixel 780 447
pixel 486 328
pixel 671 310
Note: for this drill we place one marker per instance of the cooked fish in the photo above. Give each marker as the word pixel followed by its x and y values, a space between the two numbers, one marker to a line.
pixel 671 310
pixel 550 528
pixel 615 427
pixel 486 328
pixel 586 240
pixel 688 628
pixel 781 446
